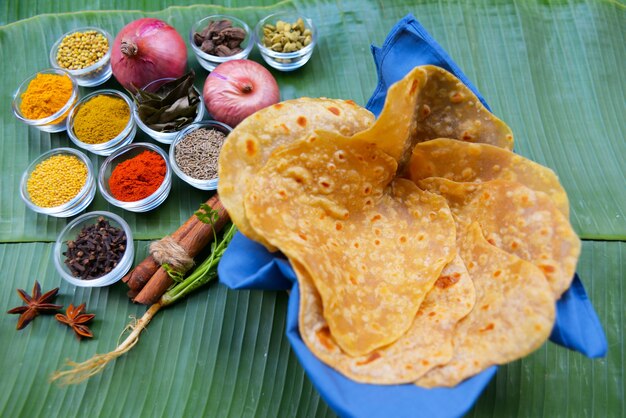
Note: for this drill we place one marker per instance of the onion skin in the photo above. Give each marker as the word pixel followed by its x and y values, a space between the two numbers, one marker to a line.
pixel 145 50
pixel 236 89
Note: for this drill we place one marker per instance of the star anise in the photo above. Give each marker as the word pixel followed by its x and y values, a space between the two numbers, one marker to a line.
pixel 35 305
pixel 75 320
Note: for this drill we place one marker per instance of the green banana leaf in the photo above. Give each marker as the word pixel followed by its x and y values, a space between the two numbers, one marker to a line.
pixel 224 353
pixel 550 72
pixel 551 69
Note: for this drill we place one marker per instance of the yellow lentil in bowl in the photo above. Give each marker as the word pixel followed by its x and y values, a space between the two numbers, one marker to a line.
pixel 56 180
pixel 59 183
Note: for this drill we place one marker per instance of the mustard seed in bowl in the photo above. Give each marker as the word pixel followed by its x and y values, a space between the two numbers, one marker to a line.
pixel 56 180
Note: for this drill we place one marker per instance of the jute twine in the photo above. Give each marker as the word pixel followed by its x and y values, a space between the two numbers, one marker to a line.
pixel 168 251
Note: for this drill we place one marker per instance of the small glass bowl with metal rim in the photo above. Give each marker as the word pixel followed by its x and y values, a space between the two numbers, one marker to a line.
pixel 209 61
pixel 164 137
pixel 106 148
pixel 95 74
pixel 123 154
pixel 210 184
pixel 73 206
pixel 54 122
pixel 285 61
pixel 71 231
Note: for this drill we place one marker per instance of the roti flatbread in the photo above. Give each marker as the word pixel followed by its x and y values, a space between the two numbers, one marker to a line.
pixel 513 315
pixel 466 162
pixel 373 247
pixel 518 220
pixel 426 344
pixel 428 103
pixel 249 145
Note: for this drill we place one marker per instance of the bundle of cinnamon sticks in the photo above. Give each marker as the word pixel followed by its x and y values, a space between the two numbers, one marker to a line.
pixel 148 281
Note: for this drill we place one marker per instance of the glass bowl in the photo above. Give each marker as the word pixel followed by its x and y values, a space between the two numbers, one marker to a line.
pixel 96 73
pixel 285 61
pixel 209 61
pixel 197 183
pixel 164 137
pixel 71 231
pixel 123 154
pixel 54 122
pixel 75 205
pixel 106 148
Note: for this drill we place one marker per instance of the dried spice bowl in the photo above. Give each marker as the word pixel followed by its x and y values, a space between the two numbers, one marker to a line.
pixel 136 172
pixel 209 61
pixel 93 65
pixel 55 122
pixel 194 159
pixel 277 43
pixel 164 137
pixel 53 179
pixel 72 231
pixel 125 137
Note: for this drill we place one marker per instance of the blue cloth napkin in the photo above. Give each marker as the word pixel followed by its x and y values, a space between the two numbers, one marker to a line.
pixel 248 265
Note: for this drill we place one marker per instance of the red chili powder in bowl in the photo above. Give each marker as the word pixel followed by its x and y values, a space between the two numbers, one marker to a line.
pixel 137 177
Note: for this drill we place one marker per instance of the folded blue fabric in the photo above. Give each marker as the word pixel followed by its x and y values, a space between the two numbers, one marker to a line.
pixel 248 265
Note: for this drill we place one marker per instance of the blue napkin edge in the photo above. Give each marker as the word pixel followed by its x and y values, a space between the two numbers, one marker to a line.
pixel 410 24
pixel 575 303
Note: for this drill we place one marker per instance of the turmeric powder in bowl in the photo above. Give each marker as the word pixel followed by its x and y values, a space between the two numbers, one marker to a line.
pixel 44 99
pixel 102 122
pixel 100 119
pixel 46 95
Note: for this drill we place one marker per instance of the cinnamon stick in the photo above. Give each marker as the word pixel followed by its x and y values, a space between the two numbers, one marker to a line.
pixel 139 276
pixel 193 242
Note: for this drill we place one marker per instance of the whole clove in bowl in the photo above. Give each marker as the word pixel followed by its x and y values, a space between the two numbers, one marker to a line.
pixel 96 249
pixel 220 38
pixel 166 106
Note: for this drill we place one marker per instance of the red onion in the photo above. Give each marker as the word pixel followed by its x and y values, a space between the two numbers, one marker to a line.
pixel 146 50
pixel 236 89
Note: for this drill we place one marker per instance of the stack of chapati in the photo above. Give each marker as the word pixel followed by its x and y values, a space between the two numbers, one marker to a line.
pixel 425 249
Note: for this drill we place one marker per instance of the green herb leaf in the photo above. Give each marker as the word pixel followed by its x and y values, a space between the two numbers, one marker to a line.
pixel 207 214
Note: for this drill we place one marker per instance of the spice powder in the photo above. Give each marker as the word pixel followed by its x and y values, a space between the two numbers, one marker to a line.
pixel 45 95
pixel 137 177
pixel 101 119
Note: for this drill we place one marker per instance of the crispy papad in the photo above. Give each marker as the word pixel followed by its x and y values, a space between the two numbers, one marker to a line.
pixel 248 146
pixel 373 247
pixel 467 162
pixel 428 103
pixel 518 220
pixel 426 344
pixel 513 315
